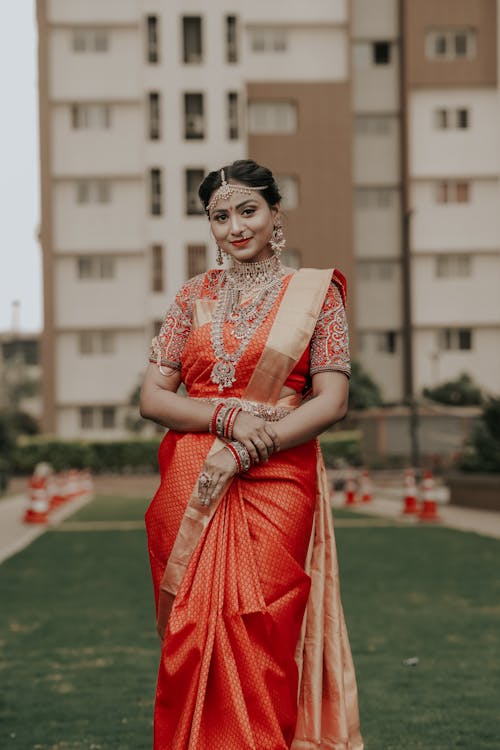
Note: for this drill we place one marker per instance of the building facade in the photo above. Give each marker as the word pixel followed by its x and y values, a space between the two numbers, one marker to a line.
pixel 140 98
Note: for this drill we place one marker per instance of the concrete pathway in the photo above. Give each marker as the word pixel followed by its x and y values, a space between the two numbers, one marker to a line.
pixel 15 534
pixel 389 505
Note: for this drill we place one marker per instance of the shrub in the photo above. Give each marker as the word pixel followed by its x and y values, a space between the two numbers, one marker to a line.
pixel 482 452
pixel 364 393
pixel 341 447
pixel 124 456
pixel 459 392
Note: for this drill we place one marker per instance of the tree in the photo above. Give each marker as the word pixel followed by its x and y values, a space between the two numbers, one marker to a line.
pixel 459 392
pixel 364 393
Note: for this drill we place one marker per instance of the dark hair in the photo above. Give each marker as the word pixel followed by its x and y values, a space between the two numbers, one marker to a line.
pixel 247 172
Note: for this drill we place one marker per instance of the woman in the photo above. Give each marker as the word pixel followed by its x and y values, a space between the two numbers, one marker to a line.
pixel 255 654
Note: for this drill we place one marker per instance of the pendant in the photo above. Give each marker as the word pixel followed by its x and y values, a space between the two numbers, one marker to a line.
pixel 240 330
pixel 223 374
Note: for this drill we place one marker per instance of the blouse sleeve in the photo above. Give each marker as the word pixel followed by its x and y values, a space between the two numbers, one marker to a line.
pixel 168 345
pixel 330 340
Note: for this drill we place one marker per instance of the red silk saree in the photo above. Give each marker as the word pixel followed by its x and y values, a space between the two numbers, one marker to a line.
pixel 255 653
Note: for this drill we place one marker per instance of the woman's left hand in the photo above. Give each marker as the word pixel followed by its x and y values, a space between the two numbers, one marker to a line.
pixel 214 475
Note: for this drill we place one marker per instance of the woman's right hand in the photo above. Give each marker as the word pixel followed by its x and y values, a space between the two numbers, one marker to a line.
pixel 258 436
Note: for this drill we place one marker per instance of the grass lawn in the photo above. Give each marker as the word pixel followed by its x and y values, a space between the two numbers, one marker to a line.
pixel 79 647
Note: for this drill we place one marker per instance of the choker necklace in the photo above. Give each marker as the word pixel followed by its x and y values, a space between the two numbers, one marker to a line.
pixel 264 280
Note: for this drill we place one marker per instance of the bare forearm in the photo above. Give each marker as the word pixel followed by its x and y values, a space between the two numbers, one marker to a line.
pixel 176 412
pixel 309 420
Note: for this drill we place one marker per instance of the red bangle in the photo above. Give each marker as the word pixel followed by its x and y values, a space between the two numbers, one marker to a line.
pixel 211 426
pixel 235 455
pixel 231 418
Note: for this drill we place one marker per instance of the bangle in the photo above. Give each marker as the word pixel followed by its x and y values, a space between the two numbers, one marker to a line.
pixel 230 420
pixel 240 455
pixel 220 420
pixel 212 425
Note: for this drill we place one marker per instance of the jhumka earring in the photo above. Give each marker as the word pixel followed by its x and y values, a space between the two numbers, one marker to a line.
pixel 218 257
pixel 277 241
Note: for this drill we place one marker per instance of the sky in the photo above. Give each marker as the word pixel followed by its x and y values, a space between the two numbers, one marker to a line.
pixel 20 255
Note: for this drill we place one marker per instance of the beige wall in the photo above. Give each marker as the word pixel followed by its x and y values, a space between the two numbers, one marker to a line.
pixel 428 14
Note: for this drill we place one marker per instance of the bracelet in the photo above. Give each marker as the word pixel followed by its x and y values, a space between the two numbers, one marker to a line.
pixel 240 455
pixel 231 419
pixel 212 425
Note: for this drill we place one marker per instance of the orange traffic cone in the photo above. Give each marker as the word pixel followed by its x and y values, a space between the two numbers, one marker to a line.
pixel 410 497
pixel 365 487
pixel 428 511
pixel 38 509
pixel 350 489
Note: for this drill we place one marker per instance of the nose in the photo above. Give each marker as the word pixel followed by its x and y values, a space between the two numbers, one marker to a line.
pixel 235 223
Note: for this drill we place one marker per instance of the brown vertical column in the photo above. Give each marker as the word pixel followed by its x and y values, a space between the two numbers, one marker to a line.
pixel 46 230
pixel 319 154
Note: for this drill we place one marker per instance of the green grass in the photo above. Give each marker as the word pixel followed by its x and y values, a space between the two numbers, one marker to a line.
pixel 79 648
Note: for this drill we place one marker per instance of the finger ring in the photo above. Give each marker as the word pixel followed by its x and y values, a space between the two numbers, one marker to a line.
pixel 204 480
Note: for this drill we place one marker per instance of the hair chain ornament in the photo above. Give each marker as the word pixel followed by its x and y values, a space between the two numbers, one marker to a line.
pixel 226 190
pixel 262 280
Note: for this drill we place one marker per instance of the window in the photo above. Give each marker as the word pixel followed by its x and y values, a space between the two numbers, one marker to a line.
pixel 96 417
pixel 387 342
pixel 192 39
pixel 157 324
pixel 450 191
pixel 96 342
pixel 291 258
pixel 373 125
pixel 450 44
pixel 86 417
pixel 451 118
pixel 289 189
pixel 196 260
pixel 268 39
pixel 377 270
pixel 455 339
pixel 93 191
pixel 233 130
pixel 453 266
pixel 90 40
pixel 155 177
pixel 108 416
pixel 194 121
pixel 381 197
pixel 95 267
pixel 154 116
pixel 90 116
pixel 194 177
pixel 381 53
pixel 152 40
pixel 231 39
pixel 157 268
pixel 272 117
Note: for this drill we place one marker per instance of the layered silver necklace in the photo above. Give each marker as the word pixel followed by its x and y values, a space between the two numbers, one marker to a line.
pixel 256 284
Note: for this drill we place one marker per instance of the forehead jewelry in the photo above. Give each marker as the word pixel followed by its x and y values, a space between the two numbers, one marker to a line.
pixel 226 190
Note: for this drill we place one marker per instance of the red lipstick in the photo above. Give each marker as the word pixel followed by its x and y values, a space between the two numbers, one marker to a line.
pixel 241 243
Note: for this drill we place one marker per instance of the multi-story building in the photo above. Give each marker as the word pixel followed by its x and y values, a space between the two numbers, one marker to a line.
pixel 371 114
pixel 426 172
pixel 138 99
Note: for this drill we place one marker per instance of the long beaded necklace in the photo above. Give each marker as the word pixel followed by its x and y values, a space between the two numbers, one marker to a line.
pixel 262 282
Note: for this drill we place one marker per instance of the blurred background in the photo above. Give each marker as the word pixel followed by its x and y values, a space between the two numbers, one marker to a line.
pixel 380 120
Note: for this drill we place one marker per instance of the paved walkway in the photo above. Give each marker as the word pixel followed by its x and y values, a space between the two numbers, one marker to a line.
pixel 388 505
pixel 385 508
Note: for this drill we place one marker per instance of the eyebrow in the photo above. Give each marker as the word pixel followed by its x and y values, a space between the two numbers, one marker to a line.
pixel 239 205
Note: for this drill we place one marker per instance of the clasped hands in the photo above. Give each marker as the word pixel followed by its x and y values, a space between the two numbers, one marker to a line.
pixel 259 438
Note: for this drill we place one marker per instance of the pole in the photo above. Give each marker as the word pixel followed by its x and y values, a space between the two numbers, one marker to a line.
pixel 407 322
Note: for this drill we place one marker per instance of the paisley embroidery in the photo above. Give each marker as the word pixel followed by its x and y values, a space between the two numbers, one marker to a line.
pixel 330 340
pixel 167 347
